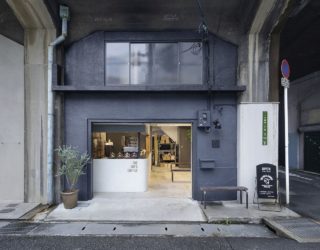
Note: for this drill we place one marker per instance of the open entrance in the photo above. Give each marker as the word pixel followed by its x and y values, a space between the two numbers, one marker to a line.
pixel 144 160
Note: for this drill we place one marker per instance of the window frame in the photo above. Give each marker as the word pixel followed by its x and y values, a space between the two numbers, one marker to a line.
pixel 154 64
pixel 157 37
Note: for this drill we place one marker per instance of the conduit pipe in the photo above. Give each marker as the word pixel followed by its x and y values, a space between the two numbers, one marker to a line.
pixel 64 15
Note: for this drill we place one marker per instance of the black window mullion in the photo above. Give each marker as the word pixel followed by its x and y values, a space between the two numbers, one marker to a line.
pixel 130 59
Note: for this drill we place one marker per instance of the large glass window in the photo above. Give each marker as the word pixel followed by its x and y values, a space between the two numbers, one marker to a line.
pixel 117 63
pixel 154 63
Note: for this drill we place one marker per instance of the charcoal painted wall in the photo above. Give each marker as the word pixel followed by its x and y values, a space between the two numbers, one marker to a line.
pixel 80 109
pixel 85 68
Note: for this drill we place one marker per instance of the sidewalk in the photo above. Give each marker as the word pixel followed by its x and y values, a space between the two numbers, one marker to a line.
pixel 100 217
pixel 162 210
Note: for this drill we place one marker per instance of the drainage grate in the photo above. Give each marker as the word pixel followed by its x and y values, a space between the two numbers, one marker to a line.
pixel 83 204
pixel 18 228
pixel 13 205
pixel 6 210
pixel 300 229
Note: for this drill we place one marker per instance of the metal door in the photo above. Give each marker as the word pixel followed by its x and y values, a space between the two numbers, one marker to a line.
pixel 312 151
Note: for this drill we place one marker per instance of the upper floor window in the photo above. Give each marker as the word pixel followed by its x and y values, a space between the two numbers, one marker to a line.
pixel 154 63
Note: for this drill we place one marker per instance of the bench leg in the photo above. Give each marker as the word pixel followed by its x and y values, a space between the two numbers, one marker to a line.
pixel 247 199
pixel 171 175
pixel 240 197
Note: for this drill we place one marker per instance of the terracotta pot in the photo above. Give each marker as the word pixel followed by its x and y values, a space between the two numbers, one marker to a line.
pixel 70 199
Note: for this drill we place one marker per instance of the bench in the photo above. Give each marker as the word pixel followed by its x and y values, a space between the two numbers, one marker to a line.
pixel 179 167
pixel 205 190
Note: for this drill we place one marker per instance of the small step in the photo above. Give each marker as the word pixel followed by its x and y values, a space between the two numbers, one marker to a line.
pixel 303 230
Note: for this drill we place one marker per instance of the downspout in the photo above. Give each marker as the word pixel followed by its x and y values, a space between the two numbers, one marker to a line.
pixel 64 15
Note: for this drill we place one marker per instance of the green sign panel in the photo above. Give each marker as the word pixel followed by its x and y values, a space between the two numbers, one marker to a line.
pixel 264 128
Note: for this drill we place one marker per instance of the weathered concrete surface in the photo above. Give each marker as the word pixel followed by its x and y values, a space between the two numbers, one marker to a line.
pixel 231 212
pixel 303 230
pixel 39 32
pixel 191 230
pixel 254 52
pixel 132 210
pixel 13 211
pixel 12 120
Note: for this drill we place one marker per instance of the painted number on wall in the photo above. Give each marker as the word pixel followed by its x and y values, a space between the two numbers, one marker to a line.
pixel 264 128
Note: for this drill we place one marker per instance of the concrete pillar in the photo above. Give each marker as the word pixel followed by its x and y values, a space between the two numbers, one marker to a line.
pixel 254 53
pixel 39 32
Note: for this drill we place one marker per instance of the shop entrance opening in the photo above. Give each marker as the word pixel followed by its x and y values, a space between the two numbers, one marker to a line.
pixel 142 160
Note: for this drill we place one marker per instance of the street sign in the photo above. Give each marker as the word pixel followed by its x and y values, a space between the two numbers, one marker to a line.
pixel 285 69
pixel 285 82
pixel 265 128
pixel 267 181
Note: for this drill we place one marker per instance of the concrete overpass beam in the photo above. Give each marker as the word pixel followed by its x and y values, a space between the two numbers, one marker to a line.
pixel 255 54
pixel 39 32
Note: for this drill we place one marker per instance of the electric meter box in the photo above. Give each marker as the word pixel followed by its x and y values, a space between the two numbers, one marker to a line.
pixel 204 119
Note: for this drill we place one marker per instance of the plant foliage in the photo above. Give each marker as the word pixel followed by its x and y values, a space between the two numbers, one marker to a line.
pixel 72 164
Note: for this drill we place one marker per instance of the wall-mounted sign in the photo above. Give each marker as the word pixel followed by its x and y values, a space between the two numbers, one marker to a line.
pixel 264 128
pixel 267 181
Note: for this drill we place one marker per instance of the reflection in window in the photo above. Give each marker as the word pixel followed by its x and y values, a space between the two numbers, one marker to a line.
pixel 140 63
pixel 165 63
pixel 117 63
pixel 190 63
pixel 154 63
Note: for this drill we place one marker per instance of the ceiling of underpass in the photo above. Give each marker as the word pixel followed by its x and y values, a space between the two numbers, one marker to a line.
pixel 228 19
pixel 300 38
pixel 9 24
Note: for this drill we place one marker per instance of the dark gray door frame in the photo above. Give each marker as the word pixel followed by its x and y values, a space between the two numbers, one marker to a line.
pixel 132 121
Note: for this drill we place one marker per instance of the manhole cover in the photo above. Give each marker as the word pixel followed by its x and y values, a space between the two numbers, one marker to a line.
pixel 6 210
pixel 18 228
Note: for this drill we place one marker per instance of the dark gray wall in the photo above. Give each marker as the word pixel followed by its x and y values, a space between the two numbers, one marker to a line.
pixel 83 108
pixel 9 24
pixel 84 60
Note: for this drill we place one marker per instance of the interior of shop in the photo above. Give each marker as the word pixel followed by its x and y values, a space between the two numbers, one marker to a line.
pixel 145 160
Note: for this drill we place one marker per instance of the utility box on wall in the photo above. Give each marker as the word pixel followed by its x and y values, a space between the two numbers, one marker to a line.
pixel 257 141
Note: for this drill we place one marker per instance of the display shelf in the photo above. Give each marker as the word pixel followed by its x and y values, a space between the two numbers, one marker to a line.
pixel 167 149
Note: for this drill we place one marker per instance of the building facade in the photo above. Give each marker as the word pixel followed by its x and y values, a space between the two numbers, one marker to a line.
pixel 141 64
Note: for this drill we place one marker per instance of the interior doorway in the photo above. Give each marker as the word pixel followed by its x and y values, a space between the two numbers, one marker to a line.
pixel 142 160
pixel 171 159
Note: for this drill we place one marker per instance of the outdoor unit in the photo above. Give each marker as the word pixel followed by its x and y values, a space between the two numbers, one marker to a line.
pixel 257 141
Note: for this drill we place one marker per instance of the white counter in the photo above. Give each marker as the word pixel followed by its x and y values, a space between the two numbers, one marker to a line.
pixel 120 175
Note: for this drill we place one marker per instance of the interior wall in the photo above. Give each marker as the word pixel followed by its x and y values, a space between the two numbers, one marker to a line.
pixel 12 120
pixel 172 132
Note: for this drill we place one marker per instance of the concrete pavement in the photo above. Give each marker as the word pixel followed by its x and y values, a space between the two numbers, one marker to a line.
pixel 304 193
pixel 15 210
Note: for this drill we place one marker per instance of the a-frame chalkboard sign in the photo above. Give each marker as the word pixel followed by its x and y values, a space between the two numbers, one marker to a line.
pixel 267 185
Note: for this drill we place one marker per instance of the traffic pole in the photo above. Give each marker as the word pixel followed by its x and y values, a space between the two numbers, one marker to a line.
pixel 286 141
pixel 285 71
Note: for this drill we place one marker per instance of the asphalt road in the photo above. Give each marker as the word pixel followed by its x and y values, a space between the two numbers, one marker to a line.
pixel 154 243
pixel 304 193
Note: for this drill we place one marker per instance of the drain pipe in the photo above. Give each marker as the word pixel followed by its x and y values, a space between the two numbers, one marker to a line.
pixel 64 15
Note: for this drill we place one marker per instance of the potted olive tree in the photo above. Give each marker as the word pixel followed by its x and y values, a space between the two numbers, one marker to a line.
pixel 72 166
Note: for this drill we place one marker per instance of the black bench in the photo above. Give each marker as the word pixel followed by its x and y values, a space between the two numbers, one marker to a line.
pixel 205 190
pixel 179 167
